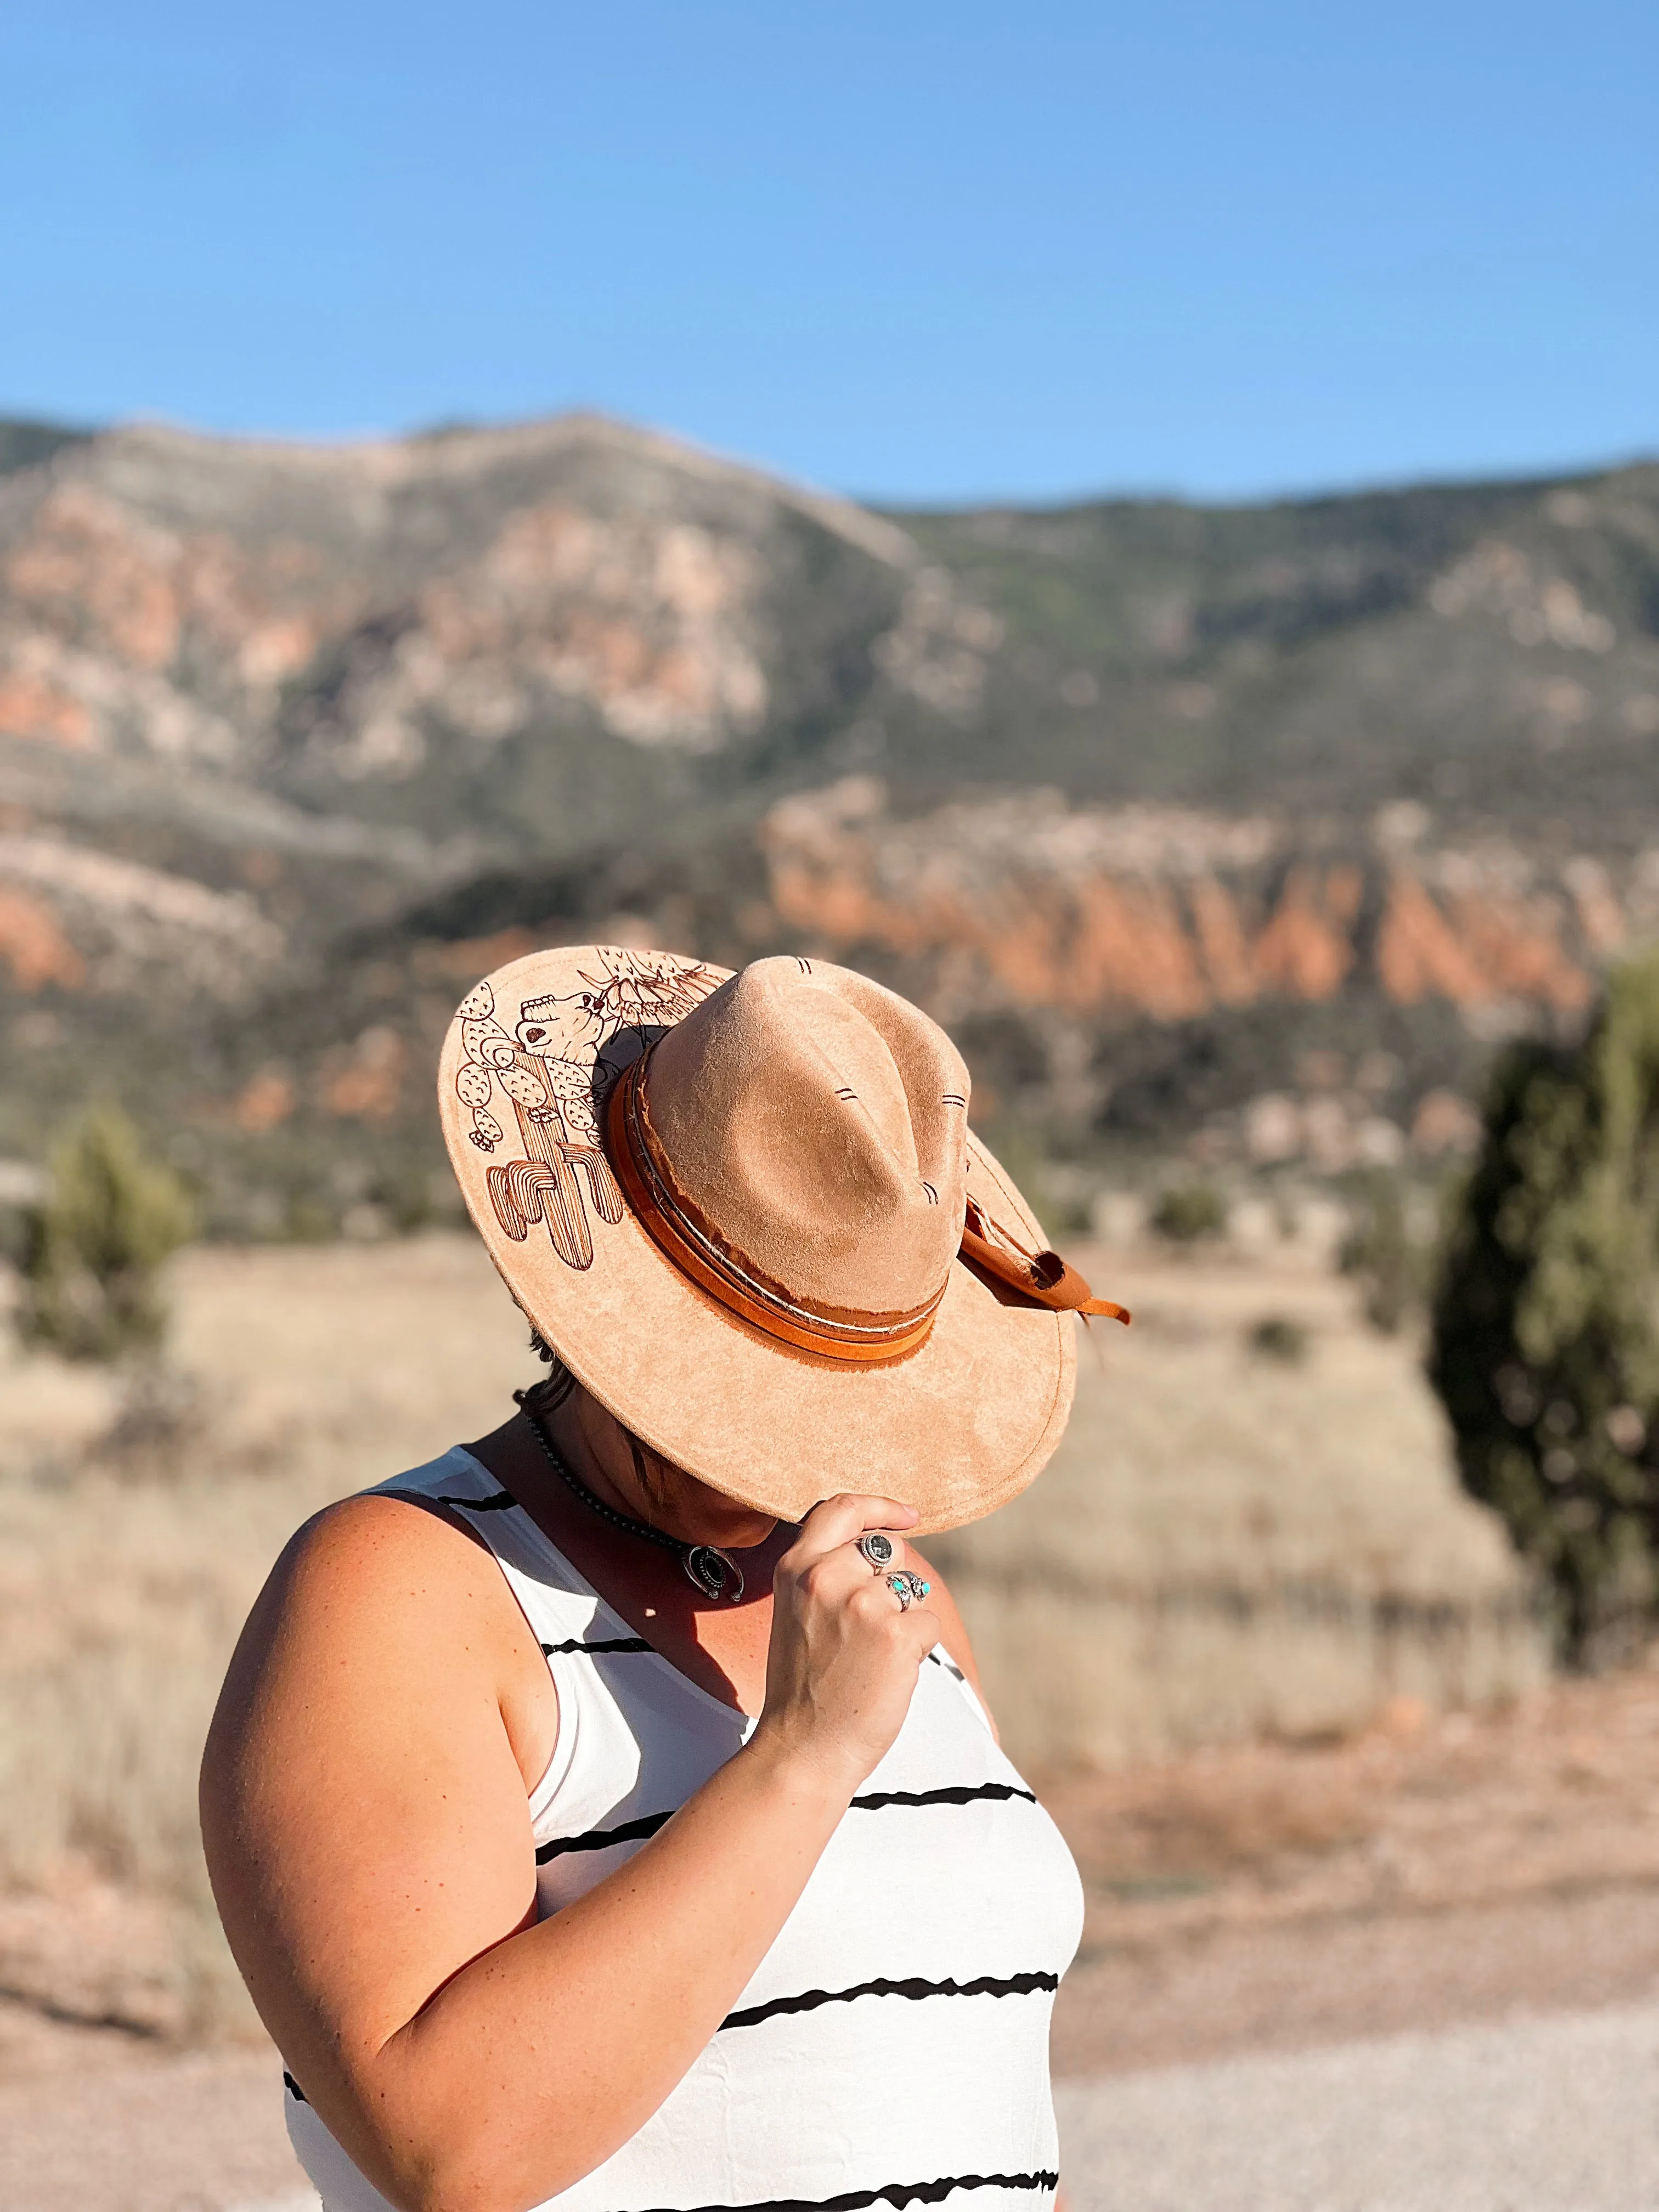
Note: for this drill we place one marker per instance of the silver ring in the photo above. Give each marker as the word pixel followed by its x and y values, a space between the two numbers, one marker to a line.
pixel 910 1590
pixel 878 1547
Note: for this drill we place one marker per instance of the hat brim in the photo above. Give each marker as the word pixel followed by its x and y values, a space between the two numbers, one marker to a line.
pixel 956 1430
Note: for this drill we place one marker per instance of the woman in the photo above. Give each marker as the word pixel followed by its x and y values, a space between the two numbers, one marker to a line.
pixel 606 1815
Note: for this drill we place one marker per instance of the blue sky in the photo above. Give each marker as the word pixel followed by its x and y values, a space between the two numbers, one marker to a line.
pixel 910 250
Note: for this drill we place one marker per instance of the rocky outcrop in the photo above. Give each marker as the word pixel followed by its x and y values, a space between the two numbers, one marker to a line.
pixel 1170 913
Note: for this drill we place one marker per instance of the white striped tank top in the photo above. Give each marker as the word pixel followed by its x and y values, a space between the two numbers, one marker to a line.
pixel 892 2046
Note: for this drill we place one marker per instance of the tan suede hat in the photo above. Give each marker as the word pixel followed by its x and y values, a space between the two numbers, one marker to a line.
pixel 748 1212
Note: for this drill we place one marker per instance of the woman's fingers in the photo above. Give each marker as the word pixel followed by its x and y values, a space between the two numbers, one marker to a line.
pixel 845 1648
pixel 909 1629
pixel 918 1620
pixel 843 1520
pixel 924 1627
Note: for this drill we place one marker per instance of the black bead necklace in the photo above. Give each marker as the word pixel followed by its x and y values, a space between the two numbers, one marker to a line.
pixel 707 1567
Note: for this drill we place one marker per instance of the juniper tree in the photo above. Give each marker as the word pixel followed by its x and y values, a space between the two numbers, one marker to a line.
pixel 93 1249
pixel 1545 1344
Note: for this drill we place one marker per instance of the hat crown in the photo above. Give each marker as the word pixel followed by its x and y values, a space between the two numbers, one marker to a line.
pixel 817 1124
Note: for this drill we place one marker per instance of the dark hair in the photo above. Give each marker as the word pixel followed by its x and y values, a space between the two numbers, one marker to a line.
pixel 556 1385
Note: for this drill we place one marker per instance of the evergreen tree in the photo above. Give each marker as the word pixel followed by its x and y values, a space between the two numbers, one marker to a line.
pixel 1544 1344
pixel 92 1249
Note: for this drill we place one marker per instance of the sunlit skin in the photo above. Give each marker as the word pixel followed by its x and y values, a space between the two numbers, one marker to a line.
pixel 364 1810
pixel 721 1647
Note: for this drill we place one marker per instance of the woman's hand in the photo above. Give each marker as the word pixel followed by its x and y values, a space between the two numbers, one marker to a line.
pixel 842 1668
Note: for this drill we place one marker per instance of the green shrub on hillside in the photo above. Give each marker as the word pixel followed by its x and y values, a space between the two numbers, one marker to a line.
pixel 1546 1317
pixel 94 1248
pixel 1189 1211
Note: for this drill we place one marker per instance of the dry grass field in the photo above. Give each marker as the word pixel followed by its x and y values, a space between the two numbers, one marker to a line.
pixel 127 1568
pixel 1231 1543
pixel 1230 1546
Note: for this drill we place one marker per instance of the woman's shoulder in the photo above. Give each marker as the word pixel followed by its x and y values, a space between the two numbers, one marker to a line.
pixel 384 1624
pixel 372 1538
pixel 375 1534
pixel 391 1579
pixel 419 1519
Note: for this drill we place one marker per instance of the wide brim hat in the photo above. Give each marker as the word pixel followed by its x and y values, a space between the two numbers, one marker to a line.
pixel 744 1236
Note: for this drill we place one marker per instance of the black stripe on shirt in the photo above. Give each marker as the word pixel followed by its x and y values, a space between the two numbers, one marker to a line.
pixel 958 1794
pixel 600 1839
pixel 502 1502
pixel 895 2193
pixel 294 2089
pixel 600 1644
pixel 987 1985
pixel 949 1665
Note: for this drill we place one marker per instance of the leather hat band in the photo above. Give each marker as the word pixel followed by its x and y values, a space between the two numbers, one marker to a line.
pixel 1041 1279
pixel 866 1340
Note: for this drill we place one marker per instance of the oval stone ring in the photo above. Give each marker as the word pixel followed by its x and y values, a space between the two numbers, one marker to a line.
pixel 910 1590
pixel 878 1547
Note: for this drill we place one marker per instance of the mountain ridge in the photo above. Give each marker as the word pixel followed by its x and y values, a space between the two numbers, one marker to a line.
pixel 378 704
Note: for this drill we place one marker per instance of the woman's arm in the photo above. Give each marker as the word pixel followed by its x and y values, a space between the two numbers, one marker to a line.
pixel 365 1823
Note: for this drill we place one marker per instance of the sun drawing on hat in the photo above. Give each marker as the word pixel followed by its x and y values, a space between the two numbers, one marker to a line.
pixel 550 1068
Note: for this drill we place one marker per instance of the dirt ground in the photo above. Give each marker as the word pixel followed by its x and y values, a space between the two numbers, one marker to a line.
pixel 1427 1871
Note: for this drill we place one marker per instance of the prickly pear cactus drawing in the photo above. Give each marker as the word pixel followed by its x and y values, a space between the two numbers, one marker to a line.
pixel 547 1072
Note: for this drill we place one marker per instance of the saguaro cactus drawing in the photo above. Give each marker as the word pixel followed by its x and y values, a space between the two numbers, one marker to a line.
pixel 552 1067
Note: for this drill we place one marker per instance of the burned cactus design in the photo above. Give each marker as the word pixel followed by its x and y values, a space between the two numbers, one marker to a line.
pixel 551 1069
